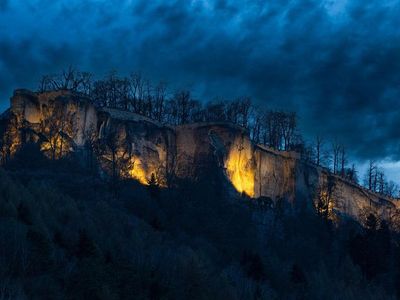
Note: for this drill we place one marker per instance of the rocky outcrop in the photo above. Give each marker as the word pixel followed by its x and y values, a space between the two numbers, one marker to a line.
pixel 142 146
pixel 135 146
pixel 59 121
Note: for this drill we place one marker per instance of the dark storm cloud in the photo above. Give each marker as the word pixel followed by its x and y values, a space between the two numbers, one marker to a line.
pixel 337 63
pixel 3 5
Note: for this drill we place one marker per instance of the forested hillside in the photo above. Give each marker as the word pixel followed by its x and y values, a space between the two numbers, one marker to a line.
pixel 67 234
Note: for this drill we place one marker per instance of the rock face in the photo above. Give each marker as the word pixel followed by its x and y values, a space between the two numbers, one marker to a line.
pixel 130 145
pixel 58 120
pixel 142 147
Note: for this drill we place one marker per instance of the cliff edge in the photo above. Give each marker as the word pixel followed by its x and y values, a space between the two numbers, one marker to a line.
pixel 129 145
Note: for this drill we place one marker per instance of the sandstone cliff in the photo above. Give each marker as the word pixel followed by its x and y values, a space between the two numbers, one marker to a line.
pixel 135 146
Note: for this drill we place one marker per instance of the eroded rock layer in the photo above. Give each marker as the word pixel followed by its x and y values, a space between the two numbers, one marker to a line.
pixel 129 145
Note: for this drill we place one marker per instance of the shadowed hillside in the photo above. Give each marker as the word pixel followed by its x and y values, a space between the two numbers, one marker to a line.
pixel 66 233
pixel 103 203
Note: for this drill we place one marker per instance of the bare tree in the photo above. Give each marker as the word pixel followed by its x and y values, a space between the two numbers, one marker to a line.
pixel 319 143
pixel 256 125
pixel 391 189
pixel 272 135
pixel 137 84
pixel 244 106
pixel 288 126
pixel 112 91
pixel 380 182
pixel 343 161
pixel 148 100
pixel 324 203
pixel 232 112
pixel 335 156
pixel 50 130
pixel 45 83
pixel 370 175
pixel 180 107
pixel 112 145
pixel 68 79
pixel 159 101
pixel 351 174
pixel 123 86
pixel 91 146
pixel 214 111
pixel 100 93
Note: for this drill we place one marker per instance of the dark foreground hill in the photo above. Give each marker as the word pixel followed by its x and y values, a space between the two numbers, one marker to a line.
pixel 66 234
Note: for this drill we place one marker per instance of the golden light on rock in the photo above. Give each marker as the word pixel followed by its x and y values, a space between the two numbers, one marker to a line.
pixel 143 172
pixel 54 145
pixel 239 169
pixel 137 172
pixel 55 148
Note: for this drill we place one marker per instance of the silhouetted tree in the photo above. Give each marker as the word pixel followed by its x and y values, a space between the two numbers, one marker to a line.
pixel 68 79
pixel 51 127
pixel 351 174
pixel 325 200
pixel 153 185
pixel 109 145
pixel 182 106
pixel 215 111
pixel 336 147
pixel 159 101
pixel 343 161
pixel 371 175
pixel 319 142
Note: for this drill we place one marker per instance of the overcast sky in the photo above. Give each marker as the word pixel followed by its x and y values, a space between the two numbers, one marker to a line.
pixel 335 62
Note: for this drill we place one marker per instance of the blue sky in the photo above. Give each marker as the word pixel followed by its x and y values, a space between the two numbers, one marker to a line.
pixel 334 62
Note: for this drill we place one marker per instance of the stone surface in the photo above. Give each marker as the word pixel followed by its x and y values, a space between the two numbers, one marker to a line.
pixel 145 147
pixel 140 148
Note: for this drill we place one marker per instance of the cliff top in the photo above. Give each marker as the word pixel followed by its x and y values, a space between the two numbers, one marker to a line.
pixel 124 115
pixel 286 154
pixel 118 114
pixel 208 124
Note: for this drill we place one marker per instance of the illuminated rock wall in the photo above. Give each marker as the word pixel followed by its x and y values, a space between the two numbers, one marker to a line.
pixel 240 166
pixel 283 175
pixel 353 200
pixel 253 170
pixel 60 120
pixel 259 171
pixel 35 108
pixel 204 145
pixel 141 148
pixel 275 174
